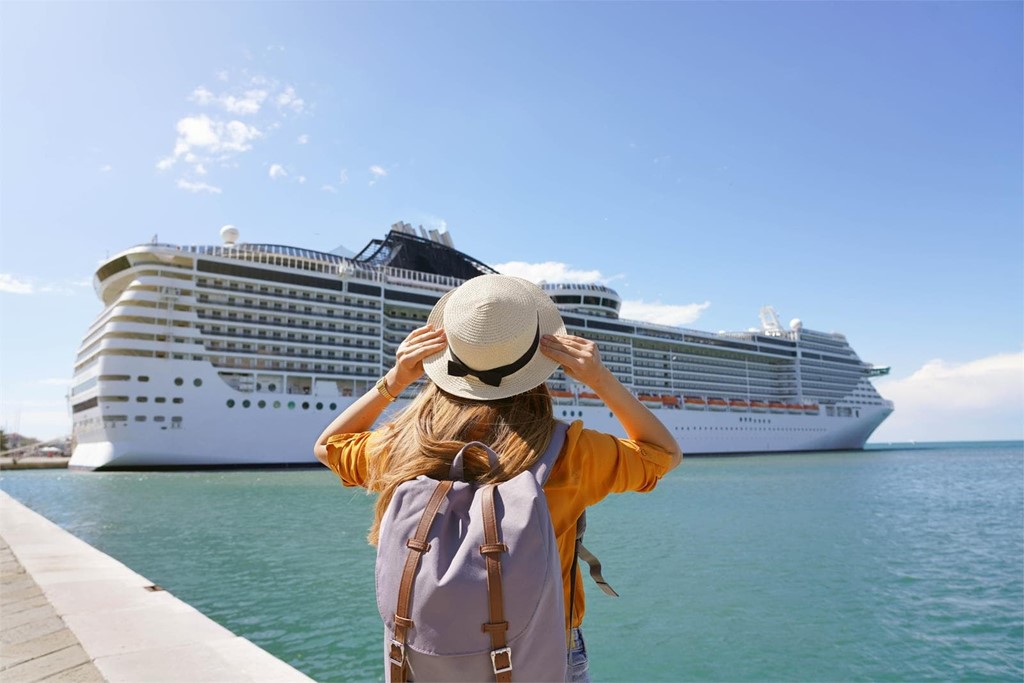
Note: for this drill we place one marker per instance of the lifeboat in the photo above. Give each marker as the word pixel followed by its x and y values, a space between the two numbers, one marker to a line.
pixel 777 407
pixel 670 401
pixel 811 408
pixel 737 404
pixel 758 406
pixel 561 396
pixel 794 407
pixel 717 404
pixel 694 402
pixel 589 398
pixel 650 400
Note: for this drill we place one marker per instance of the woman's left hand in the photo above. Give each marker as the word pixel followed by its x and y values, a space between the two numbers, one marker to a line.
pixel 421 343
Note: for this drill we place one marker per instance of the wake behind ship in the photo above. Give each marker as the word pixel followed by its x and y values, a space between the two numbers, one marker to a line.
pixel 239 354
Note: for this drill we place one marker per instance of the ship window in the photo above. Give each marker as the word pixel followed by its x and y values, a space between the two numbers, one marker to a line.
pixel 197 382
pixel 159 418
pixel 291 405
pixel 246 403
pixel 178 381
pixel 262 404
pixel 177 400
pixel 143 378
pixel 305 405
pixel 140 418
pixel 141 399
pixel 592 300
pixel 176 420
pixel 334 406
pixel 231 403
pixel 277 404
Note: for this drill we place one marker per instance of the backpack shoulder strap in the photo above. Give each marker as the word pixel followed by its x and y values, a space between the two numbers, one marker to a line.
pixel 542 468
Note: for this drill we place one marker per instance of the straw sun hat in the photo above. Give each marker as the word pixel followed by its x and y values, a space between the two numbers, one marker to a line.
pixel 494 324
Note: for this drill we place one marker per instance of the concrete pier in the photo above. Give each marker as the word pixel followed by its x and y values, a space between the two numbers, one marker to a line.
pixel 70 613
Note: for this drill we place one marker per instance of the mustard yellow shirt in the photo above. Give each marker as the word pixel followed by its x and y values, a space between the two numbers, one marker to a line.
pixel 591 465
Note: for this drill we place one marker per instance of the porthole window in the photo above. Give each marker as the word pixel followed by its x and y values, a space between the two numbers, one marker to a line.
pixel 231 403
pixel 272 387
pixel 277 404
pixel 197 382
pixel 246 403
pixel 334 406
pixel 291 405
pixel 319 406
pixel 178 381
pixel 305 405
pixel 262 404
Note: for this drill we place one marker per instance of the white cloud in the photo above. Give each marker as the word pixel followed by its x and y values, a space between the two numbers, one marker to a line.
pixel 202 139
pixel 343 177
pixel 193 186
pixel 12 285
pixel 277 171
pixel 329 188
pixel 301 179
pixel 246 103
pixel 662 314
pixel 287 99
pixel 236 117
pixel 550 271
pixel 943 401
pixel 376 173
pixel 303 139
pixel 106 168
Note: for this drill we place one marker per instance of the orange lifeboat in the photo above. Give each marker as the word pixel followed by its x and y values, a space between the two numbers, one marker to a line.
pixel 758 406
pixel 795 407
pixel 811 408
pixel 694 402
pixel 777 407
pixel 737 404
pixel 670 401
pixel 717 404
pixel 649 400
pixel 589 398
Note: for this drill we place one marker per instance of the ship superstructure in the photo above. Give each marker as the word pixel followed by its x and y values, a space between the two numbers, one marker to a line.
pixel 240 354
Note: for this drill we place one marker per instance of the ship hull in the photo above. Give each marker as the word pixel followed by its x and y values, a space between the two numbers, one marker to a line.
pixel 208 433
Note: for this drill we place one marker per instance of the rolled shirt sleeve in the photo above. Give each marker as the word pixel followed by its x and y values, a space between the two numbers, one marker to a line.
pixel 347 457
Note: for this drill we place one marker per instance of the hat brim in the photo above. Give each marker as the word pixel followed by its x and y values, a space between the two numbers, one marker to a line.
pixel 535 373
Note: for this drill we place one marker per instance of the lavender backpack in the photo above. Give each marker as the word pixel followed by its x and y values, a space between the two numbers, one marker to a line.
pixel 469 583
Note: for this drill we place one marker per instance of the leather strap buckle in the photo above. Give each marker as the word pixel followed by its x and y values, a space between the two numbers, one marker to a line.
pixel 507 652
pixel 397 654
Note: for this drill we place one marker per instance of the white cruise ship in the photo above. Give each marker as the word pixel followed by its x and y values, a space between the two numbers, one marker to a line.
pixel 240 354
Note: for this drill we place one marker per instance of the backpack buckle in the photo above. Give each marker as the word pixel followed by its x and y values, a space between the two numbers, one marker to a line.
pixel 507 664
pixel 397 654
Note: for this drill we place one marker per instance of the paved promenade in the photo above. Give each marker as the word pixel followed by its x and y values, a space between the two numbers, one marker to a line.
pixel 69 613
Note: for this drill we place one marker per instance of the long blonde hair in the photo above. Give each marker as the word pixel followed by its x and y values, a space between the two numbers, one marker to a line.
pixel 425 437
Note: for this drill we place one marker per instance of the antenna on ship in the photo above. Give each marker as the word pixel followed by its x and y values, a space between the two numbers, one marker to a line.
pixel 770 320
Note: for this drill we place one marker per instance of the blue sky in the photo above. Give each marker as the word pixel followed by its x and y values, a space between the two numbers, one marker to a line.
pixel 856 165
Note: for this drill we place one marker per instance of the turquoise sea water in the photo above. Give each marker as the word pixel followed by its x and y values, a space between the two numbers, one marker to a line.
pixel 892 564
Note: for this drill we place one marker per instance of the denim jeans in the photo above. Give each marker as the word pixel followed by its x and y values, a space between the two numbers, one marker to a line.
pixel 579 669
